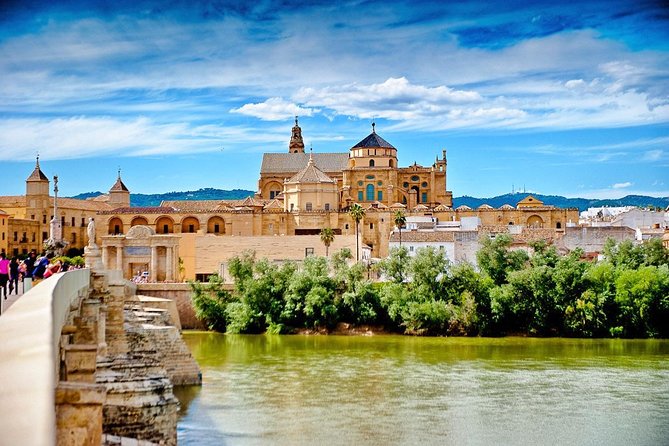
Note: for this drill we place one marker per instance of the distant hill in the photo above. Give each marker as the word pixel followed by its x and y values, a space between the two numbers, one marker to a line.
pixel 512 199
pixel 562 202
pixel 201 194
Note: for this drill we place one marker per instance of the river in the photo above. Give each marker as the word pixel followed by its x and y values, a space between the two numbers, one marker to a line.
pixel 401 390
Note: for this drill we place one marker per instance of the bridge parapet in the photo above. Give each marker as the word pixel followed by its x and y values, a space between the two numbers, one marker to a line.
pixel 30 335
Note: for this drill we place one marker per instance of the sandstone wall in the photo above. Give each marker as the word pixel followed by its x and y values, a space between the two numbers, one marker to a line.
pixel 180 293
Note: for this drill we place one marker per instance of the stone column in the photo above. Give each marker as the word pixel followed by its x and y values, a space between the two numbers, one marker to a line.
pixel 119 258
pixel 102 327
pixel 153 274
pixel 169 264
pixel 105 256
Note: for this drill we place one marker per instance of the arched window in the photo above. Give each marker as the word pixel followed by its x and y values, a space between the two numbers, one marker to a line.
pixel 371 163
pixel 190 224
pixel 369 194
pixel 535 222
pixel 216 225
pixel 558 225
pixel 137 221
pixel 415 188
pixel 164 225
pixel 115 226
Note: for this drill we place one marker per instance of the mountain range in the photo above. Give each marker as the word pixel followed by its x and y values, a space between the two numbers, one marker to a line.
pixel 473 202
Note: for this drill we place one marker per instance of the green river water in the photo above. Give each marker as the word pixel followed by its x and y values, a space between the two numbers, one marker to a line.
pixel 401 390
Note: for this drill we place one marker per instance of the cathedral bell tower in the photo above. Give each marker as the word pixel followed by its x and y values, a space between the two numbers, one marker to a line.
pixel 37 184
pixel 296 144
pixel 119 195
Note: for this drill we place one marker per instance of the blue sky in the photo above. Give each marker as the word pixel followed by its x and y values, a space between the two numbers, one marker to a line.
pixel 552 97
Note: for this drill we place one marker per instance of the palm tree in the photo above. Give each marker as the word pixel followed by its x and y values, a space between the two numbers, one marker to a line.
pixel 357 213
pixel 327 237
pixel 400 220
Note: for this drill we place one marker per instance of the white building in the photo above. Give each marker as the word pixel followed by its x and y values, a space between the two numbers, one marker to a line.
pixel 627 216
pixel 459 240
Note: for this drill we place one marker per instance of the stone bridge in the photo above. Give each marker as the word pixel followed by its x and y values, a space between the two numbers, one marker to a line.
pixel 87 361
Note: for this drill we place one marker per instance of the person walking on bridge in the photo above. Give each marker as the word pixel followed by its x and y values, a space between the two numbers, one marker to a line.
pixel 14 275
pixel 4 274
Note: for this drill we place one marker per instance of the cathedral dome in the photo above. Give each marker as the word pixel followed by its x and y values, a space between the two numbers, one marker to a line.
pixel 373 151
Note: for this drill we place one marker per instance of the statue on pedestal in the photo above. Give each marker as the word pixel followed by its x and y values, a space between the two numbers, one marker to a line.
pixel 55 244
pixel 90 231
pixel 91 251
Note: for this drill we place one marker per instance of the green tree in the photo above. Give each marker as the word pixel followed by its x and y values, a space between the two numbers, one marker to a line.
pixel 357 213
pixel 393 265
pixel 586 316
pixel 210 301
pixel 327 237
pixel 643 298
pixel 310 297
pixel 654 253
pixel 241 269
pixel 624 255
pixel 470 290
pixel 429 270
pixel 497 260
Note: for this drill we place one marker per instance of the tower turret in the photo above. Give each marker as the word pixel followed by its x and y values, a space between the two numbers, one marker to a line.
pixel 119 195
pixel 373 151
pixel 296 144
pixel 37 184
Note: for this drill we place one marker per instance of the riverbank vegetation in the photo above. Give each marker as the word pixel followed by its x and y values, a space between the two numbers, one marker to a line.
pixel 542 294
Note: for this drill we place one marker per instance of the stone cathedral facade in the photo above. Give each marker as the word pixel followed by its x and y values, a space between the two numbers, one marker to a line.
pixel 299 193
pixel 367 174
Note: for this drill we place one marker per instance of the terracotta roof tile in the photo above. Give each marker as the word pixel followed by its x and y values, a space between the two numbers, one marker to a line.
pixel 294 162
pixel 37 175
pixel 142 210
pixel 13 201
pixel 119 186
pixel 191 205
pixel 311 174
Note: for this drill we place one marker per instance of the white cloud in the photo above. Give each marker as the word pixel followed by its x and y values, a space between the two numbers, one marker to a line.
pixel 81 137
pixel 622 185
pixel 124 66
pixel 400 100
pixel 574 84
pixel 653 155
pixel 274 109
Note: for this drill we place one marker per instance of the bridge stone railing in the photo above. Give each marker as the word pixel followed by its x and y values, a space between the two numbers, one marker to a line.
pixel 30 334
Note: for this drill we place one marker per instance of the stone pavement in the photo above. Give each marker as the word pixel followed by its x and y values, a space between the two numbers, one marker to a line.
pixel 11 298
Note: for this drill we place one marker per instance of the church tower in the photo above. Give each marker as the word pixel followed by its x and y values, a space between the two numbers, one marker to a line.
pixel 119 195
pixel 37 193
pixel 373 152
pixel 296 143
pixel 37 184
